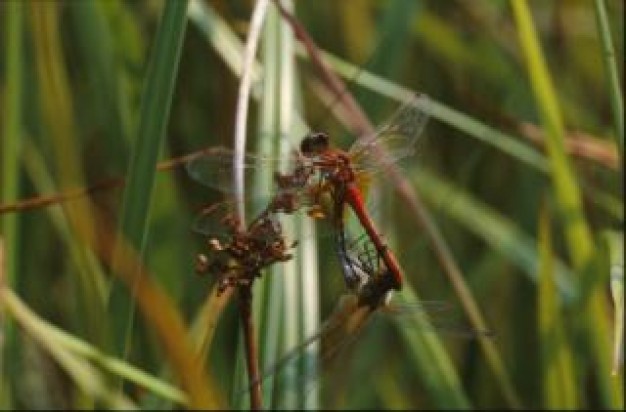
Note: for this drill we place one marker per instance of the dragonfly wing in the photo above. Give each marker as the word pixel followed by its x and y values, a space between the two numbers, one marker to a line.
pixel 437 316
pixel 215 169
pixel 212 220
pixel 395 139
pixel 336 333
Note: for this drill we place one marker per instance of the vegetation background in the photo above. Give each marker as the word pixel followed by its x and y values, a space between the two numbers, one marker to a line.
pixel 520 168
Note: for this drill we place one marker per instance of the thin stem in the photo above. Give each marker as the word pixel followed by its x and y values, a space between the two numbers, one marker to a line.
pixel 101 185
pixel 254 34
pixel 252 356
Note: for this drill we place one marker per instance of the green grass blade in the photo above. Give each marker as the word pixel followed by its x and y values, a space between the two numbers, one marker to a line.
pixel 83 260
pixel 153 119
pixel 268 302
pixel 610 65
pixel 469 125
pixel 77 347
pixel 84 375
pixel 454 118
pixel 435 367
pixel 498 231
pixel 615 245
pixel 577 232
pixel 567 190
pixel 11 136
pixel 58 121
pixel 558 382
pixel 102 77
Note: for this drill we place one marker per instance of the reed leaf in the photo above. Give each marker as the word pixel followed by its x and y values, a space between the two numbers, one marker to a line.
pixel 610 65
pixel 153 119
pixel 557 365
pixel 9 224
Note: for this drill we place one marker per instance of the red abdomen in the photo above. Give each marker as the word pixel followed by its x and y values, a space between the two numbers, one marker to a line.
pixel 355 200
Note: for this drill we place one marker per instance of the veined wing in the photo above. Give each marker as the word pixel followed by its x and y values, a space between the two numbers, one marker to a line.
pixel 338 331
pixel 343 328
pixel 215 169
pixel 217 220
pixel 395 139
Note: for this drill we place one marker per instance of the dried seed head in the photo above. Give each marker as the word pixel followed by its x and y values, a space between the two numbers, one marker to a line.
pixel 215 245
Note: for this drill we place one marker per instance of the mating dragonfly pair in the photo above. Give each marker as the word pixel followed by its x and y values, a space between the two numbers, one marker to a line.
pixel 319 174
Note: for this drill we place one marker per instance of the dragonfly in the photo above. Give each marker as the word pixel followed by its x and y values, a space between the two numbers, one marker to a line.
pixel 318 171
pixel 370 294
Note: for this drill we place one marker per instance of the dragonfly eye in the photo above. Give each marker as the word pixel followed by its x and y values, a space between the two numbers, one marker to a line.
pixel 314 143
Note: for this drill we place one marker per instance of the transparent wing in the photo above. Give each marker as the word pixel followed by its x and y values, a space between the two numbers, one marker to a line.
pixel 218 221
pixel 335 334
pixel 212 221
pixel 395 139
pixel 343 328
pixel 214 169
pixel 440 317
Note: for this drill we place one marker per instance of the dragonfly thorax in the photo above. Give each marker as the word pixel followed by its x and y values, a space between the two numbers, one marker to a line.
pixel 377 291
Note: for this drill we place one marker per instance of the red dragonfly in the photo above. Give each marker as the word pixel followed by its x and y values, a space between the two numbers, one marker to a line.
pixel 371 294
pixel 318 169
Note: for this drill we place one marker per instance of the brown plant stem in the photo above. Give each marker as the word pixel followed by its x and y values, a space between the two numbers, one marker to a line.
pixel 252 356
pixel 102 185
pixel 578 144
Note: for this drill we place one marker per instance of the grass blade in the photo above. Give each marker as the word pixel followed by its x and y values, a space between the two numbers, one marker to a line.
pixel 84 375
pixel 610 65
pixel 577 232
pixel 498 231
pixel 435 366
pixel 11 136
pixel 558 377
pixel 454 118
pixel 102 77
pixel 615 245
pixel 153 119
pixel 58 121
pixel 269 302
pixel 567 190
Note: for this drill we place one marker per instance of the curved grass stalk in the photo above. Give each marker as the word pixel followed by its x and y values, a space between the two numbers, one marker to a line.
pixel 84 375
pixel 61 340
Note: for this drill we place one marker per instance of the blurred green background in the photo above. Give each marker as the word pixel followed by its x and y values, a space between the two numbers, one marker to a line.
pixel 520 169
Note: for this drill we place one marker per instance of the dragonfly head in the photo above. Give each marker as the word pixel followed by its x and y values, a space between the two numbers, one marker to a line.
pixel 314 143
